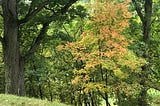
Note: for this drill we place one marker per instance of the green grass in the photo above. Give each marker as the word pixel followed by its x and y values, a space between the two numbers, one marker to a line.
pixel 11 100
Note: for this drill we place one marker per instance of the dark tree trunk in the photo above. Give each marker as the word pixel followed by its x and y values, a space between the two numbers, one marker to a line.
pixel 93 103
pixel 50 90
pixel 146 22
pixel 14 63
pixel 80 99
pixel 73 98
pixel 40 91
pixel 146 38
pixel 119 98
pixel 106 99
pixel 32 91
pixel 13 66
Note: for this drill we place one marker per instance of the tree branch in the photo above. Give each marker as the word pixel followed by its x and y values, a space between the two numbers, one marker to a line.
pixel 138 10
pixel 49 9
pixel 68 34
pixel 35 45
pixel 31 13
pixel 69 4
pixel 62 10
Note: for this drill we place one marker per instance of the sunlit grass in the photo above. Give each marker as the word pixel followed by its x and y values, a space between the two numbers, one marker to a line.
pixel 11 100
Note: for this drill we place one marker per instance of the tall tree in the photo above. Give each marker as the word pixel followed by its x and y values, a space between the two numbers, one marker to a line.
pixel 146 20
pixel 102 59
pixel 11 47
pixel 13 59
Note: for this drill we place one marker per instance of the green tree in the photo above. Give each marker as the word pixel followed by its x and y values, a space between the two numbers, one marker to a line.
pixel 14 17
pixel 147 14
pixel 51 72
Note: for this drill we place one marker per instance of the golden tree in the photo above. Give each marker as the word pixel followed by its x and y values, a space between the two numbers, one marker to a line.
pixel 105 59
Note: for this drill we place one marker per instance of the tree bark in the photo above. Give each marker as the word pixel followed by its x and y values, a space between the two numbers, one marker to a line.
pixel 146 38
pixel 14 62
pixel 146 22
pixel 11 52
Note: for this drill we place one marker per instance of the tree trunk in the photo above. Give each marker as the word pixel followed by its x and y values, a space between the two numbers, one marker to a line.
pixel 93 103
pixel 146 21
pixel 40 91
pixel 14 63
pixel 11 50
pixel 106 99
pixel 119 98
pixel 50 90
pixel 21 77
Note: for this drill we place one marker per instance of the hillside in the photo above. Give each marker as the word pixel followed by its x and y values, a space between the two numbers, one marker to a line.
pixel 10 100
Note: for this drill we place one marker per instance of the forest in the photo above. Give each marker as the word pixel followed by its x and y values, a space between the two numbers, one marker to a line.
pixel 81 52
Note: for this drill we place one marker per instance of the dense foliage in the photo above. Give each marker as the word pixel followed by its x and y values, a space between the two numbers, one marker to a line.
pixel 83 53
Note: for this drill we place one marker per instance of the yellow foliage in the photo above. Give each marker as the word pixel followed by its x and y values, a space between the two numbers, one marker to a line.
pixel 120 74
pixel 101 87
pixel 102 48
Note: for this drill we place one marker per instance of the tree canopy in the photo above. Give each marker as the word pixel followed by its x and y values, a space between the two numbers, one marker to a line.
pixel 81 52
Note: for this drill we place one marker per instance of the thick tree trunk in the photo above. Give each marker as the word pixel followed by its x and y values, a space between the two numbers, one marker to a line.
pixel 11 50
pixel 14 63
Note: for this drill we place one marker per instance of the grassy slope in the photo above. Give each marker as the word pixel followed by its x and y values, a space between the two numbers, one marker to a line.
pixel 10 100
